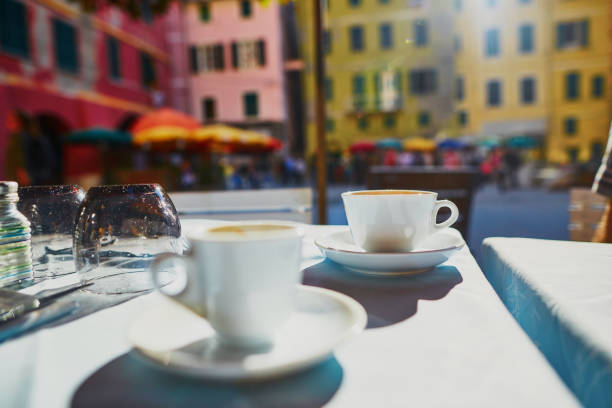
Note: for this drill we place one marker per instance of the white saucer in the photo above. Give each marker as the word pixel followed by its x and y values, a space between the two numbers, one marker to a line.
pixel 179 341
pixel 437 248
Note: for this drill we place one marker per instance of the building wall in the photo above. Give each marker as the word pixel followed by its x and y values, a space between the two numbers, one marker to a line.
pixel 342 64
pixel 593 115
pixel 89 96
pixel 547 64
pixel 543 119
pixel 228 86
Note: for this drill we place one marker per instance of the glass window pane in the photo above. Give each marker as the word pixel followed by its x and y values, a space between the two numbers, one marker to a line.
pixel 492 42
pixel 526 38
pixel 356 34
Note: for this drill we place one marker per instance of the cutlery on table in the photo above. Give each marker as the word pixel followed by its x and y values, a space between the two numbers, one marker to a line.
pixel 14 304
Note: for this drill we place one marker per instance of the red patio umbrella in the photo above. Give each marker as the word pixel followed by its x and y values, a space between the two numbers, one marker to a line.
pixel 362 146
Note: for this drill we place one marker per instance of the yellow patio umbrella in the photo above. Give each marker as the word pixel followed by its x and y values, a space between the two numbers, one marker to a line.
pixel 217 134
pixel 228 137
pixel 419 144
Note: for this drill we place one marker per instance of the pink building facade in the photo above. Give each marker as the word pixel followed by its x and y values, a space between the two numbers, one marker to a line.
pixel 236 62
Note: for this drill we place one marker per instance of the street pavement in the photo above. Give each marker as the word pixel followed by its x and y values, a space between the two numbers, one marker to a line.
pixel 532 213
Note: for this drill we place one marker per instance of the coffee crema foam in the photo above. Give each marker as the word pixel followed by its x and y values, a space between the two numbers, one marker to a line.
pixel 391 192
pixel 249 229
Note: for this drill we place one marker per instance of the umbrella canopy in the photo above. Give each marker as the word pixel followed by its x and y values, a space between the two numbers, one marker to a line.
pixel 97 135
pixel 451 144
pixel 362 146
pixel 525 142
pixel 489 143
pixel 389 143
pixel 163 125
pixel 419 144
pixel 235 139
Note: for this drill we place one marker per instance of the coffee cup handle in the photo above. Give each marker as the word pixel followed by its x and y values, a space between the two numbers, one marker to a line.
pixel 179 288
pixel 453 216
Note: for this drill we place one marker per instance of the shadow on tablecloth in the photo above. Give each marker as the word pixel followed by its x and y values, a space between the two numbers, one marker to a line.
pixel 127 381
pixel 387 300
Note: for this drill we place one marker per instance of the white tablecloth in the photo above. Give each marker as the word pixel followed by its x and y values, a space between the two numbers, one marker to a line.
pixel 439 339
pixel 561 294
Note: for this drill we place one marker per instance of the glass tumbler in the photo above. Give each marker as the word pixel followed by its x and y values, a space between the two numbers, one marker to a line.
pixel 52 212
pixel 119 230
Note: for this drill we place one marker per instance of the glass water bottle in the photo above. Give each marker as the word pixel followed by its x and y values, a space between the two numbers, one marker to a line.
pixel 15 248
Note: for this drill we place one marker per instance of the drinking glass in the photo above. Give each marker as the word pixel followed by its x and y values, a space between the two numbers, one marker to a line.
pixel 52 212
pixel 119 230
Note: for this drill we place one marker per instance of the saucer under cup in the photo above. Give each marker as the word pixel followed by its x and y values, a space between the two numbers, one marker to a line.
pixel 435 250
pixel 176 340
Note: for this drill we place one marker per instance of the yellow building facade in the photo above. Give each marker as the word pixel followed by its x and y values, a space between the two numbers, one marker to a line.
pixel 404 45
pixel 562 47
pixel 503 68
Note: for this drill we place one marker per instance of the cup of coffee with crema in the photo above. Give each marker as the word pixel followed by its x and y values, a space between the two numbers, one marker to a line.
pixel 241 277
pixel 394 220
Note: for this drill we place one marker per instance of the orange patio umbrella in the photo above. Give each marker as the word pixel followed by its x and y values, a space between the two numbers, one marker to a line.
pixel 162 126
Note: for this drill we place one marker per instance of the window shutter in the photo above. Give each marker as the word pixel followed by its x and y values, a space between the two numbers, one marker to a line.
pixel 13 28
pixel 433 80
pixel 377 89
pixel 398 82
pixel 193 59
pixel 261 53
pixel 560 34
pixel 219 60
pixel 584 31
pixel 235 54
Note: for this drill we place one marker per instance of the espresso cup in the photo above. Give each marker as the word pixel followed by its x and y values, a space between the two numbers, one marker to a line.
pixel 394 220
pixel 241 277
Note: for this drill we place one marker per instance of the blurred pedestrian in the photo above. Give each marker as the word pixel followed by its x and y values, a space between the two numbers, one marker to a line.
pixel 451 159
pixel 390 158
pixel 188 177
pixel 511 163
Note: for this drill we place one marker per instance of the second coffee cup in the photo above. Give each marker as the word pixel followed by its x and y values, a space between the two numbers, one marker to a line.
pixel 394 220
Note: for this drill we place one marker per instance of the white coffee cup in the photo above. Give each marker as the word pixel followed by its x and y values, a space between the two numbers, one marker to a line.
pixel 241 277
pixel 394 220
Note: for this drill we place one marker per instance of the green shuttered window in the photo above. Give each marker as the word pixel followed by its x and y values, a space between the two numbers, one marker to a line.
pixel 65 43
pixel 14 28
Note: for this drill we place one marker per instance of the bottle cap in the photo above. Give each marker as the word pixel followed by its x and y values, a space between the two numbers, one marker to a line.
pixel 7 187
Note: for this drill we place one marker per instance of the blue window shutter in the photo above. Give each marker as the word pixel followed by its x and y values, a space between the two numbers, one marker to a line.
pixel 329 89
pixel 598 86
pixel 560 34
pixel 584 31
pixel 377 90
pixel 327 42
pixel 572 86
